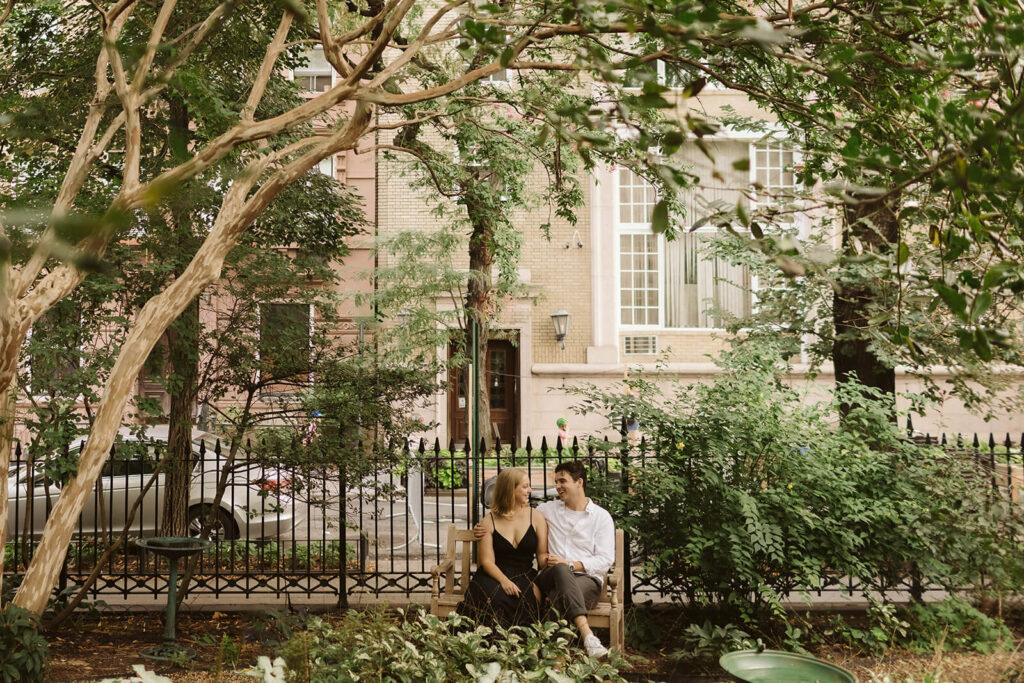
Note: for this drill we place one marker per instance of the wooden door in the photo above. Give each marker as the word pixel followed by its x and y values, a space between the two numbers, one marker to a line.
pixel 502 364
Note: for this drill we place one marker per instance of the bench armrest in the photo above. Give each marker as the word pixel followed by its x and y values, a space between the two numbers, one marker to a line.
pixel 447 564
pixel 435 575
pixel 615 584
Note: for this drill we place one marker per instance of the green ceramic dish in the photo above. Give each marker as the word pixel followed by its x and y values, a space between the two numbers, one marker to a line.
pixel 773 666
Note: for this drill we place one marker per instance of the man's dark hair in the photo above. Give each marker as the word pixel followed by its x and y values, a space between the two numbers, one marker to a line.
pixel 575 469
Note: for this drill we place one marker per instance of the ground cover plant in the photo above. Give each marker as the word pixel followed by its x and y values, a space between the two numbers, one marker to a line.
pixel 377 645
pixel 103 644
pixel 881 643
pixel 24 654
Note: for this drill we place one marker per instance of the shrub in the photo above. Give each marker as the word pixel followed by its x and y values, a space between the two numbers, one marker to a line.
pixel 444 473
pixel 952 624
pixel 749 492
pixel 704 644
pixel 24 653
pixel 956 625
pixel 368 645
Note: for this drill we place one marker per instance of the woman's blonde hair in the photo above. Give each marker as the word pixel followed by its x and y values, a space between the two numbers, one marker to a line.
pixel 503 502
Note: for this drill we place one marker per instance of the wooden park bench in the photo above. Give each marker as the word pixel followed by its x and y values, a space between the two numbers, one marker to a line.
pixel 608 613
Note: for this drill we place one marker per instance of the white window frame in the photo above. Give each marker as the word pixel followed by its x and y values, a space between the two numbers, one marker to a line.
pixel 332 164
pixel 622 228
pixel 635 228
pixel 659 253
pixel 778 138
pixel 314 71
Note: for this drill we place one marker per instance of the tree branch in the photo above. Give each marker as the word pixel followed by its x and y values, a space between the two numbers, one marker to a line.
pixel 8 7
pixel 380 43
pixel 426 163
pixel 274 50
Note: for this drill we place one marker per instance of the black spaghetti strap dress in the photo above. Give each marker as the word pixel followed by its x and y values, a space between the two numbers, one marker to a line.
pixel 485 600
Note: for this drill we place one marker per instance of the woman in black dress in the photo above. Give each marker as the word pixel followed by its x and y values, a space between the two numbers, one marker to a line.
pixel 502 589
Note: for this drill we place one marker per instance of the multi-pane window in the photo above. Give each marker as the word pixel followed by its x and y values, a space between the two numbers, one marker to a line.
pixel 774 176
pixel 673 284
pixel 316 75
pixel 637 198
pixel 313 82
pixel 638 279
pixel 773 166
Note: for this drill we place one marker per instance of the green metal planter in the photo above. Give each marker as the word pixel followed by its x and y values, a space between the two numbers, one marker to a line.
pixel 774 666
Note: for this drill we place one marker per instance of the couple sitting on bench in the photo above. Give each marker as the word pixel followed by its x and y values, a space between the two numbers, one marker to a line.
pixel 572 538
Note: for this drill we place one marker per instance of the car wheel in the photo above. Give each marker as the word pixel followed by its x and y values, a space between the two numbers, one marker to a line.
pixel 224 527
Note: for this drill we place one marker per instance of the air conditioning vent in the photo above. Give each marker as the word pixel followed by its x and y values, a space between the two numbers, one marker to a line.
pixel 640 345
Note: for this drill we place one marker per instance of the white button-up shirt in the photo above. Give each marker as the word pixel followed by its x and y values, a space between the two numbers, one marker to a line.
pixel 587 536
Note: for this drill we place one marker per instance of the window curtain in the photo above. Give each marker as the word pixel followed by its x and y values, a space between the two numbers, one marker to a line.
pixel 698 284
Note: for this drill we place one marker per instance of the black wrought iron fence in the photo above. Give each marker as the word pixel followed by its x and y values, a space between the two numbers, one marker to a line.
pixel 278 530
pixel 999 460
pixel 285 531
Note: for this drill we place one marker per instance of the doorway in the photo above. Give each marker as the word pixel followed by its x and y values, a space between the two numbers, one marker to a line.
pixel 502 364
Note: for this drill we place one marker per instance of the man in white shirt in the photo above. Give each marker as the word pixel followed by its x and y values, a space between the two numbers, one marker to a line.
pixel 581 549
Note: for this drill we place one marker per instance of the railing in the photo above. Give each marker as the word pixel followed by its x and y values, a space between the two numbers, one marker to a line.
pixel 285 531
pixel 290 532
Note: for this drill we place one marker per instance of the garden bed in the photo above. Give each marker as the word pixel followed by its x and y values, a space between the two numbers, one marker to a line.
pixel 96 646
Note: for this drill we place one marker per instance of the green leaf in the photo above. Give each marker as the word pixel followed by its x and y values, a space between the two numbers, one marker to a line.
pixel 659 217
pixel 960 172
pixel 653 101
pixel 506 56
pixel 790 267
pixel 693 88
pixel 955 300
pixel 982 302
pixel 902 253
pixel 295 7
pixel 741 213
pixel 994 275
pixel 981 345
pixel 742 164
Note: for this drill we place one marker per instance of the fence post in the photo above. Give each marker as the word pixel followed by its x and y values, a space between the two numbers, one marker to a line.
pixel 624 464
pixel 1008 445
pixel 529 459
pixel 342 527
pixel 992 461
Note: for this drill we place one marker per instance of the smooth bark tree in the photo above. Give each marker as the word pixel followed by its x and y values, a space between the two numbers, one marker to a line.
pixel 778 54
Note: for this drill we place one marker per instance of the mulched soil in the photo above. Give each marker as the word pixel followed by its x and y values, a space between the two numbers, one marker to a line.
pixel 91 647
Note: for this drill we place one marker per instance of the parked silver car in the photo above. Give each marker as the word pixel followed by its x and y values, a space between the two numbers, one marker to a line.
pixel 256 502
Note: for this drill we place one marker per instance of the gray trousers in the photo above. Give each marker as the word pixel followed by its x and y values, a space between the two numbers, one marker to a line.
pixel 570 595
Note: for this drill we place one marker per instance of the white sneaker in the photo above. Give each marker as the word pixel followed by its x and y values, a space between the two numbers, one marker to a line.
pixel 594 647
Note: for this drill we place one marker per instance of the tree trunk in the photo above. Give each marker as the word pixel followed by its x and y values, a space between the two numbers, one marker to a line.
pixel 182 348
pixel 183 357
pixel 478 298
pixel 874 225
pixel 241 206
pixel 7 408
